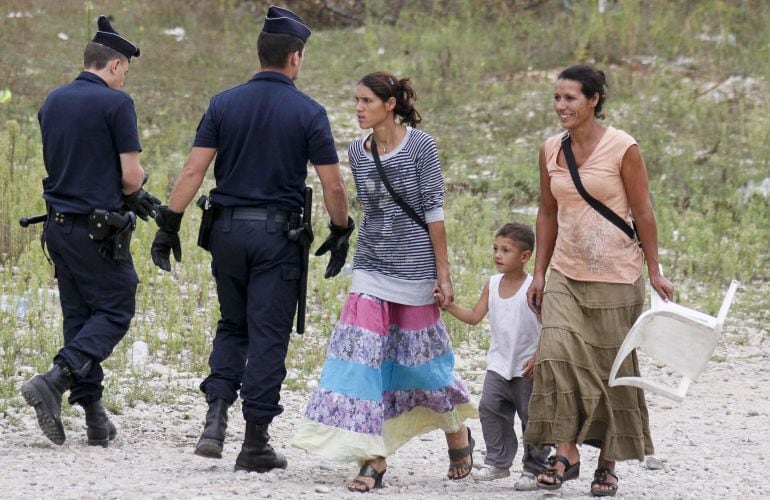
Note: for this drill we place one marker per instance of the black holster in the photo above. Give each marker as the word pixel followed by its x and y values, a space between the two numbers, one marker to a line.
pixel 99 225
pixel 121 241
pixel 114 230
pixel 207 221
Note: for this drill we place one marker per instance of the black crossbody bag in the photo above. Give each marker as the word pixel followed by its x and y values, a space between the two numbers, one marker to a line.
pixel 396 197
pixel 606 212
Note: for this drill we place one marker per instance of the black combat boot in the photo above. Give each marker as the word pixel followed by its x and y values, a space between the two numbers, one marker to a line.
pixel 256 455
pixel 99 430
pixel 213 438
pixel 44 393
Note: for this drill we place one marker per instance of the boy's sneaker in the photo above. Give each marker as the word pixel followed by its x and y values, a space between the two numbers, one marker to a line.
pixel 489 473
pixel 527 482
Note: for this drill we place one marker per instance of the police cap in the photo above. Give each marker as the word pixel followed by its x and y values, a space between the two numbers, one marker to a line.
pixel 107 36
pixel 279 20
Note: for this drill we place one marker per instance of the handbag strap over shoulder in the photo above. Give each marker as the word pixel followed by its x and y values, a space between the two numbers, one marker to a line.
pixel 606 212
pixel 396 197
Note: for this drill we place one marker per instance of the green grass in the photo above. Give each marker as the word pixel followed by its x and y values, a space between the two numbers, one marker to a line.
pixel 484 86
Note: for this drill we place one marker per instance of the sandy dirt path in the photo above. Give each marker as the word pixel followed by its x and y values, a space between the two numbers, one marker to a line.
pixel 712 445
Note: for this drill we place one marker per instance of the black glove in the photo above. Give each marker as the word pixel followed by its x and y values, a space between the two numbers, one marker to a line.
pixel 337 244
pixel 167 238
pixel 142 203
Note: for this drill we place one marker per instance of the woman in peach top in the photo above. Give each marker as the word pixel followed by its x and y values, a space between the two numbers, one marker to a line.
pixel 595 289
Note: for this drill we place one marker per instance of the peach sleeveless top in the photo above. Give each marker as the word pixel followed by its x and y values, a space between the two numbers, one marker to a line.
pixel 588 246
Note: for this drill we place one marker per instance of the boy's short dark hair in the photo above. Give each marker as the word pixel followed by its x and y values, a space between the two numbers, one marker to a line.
pixel 96 56
pixel 520 233
pixel 274 48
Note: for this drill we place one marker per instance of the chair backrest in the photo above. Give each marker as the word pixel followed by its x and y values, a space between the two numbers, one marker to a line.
pixel 679 337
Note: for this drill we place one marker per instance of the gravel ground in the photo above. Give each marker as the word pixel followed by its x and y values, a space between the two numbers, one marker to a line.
pixel 709 446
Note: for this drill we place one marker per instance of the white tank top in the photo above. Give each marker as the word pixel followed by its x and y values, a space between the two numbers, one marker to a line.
pixel 515 330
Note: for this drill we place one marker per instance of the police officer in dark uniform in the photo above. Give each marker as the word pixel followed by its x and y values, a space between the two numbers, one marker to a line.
pixel 263 133
pixel 91 154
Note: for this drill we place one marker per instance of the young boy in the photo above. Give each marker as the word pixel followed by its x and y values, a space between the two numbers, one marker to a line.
pixel 511 356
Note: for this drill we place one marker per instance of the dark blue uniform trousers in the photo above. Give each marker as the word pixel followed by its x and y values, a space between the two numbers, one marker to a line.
pixel 257 270
pixel 97 297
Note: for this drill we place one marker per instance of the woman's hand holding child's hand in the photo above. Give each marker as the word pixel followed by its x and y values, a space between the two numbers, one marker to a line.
pixel 440 297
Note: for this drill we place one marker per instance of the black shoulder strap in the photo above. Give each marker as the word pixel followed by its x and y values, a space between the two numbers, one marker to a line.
pixel 399 201
pixel 607 213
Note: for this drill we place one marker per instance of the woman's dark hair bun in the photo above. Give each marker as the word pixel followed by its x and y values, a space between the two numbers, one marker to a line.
pixel 592 81
pixel 386 85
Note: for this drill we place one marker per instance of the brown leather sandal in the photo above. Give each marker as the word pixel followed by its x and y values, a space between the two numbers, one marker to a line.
pixel 600 479
pixel 455 455
pixel 570 472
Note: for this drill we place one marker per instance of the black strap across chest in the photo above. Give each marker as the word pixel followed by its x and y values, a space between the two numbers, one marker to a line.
pixel 606 212
pixel 396 197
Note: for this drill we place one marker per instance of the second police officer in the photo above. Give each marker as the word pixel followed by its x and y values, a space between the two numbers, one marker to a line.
pixel 262 133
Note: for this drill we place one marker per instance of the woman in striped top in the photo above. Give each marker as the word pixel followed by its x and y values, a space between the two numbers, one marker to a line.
pixel 389 372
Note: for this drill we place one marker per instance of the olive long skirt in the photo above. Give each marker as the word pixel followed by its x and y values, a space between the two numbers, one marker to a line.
pixel 584 324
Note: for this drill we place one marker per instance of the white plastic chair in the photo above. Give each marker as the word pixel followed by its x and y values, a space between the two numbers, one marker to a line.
pixel 679 337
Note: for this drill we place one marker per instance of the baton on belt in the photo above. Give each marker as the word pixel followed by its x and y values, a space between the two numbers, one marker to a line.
pixel 304 235
pixel 113 219
pixel 35 219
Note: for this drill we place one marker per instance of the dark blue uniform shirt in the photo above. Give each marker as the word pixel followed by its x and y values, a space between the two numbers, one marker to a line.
pixel 86 125
pixel 265 132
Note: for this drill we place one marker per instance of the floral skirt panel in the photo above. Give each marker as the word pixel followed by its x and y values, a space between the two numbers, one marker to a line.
pixel 388 376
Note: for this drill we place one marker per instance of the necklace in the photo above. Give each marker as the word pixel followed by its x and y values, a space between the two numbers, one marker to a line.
pixel 383 147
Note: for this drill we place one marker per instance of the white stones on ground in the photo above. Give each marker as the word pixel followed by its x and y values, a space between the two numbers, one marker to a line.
pixel 751 188
pixel 653 463
pixel 25 371
pixel 322 489
pixel 158 385
pixel 139 353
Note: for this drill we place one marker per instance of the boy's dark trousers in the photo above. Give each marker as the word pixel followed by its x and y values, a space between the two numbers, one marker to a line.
pixel 501 399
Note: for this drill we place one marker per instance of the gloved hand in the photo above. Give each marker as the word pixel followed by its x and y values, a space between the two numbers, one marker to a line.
pixel 167 238
pixel 142 203
pixel 337 244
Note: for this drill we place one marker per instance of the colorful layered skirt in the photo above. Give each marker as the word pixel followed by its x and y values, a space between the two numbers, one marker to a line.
pixel 388 376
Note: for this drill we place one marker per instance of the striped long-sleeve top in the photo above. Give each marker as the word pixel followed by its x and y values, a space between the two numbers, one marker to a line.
pixel 394 257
